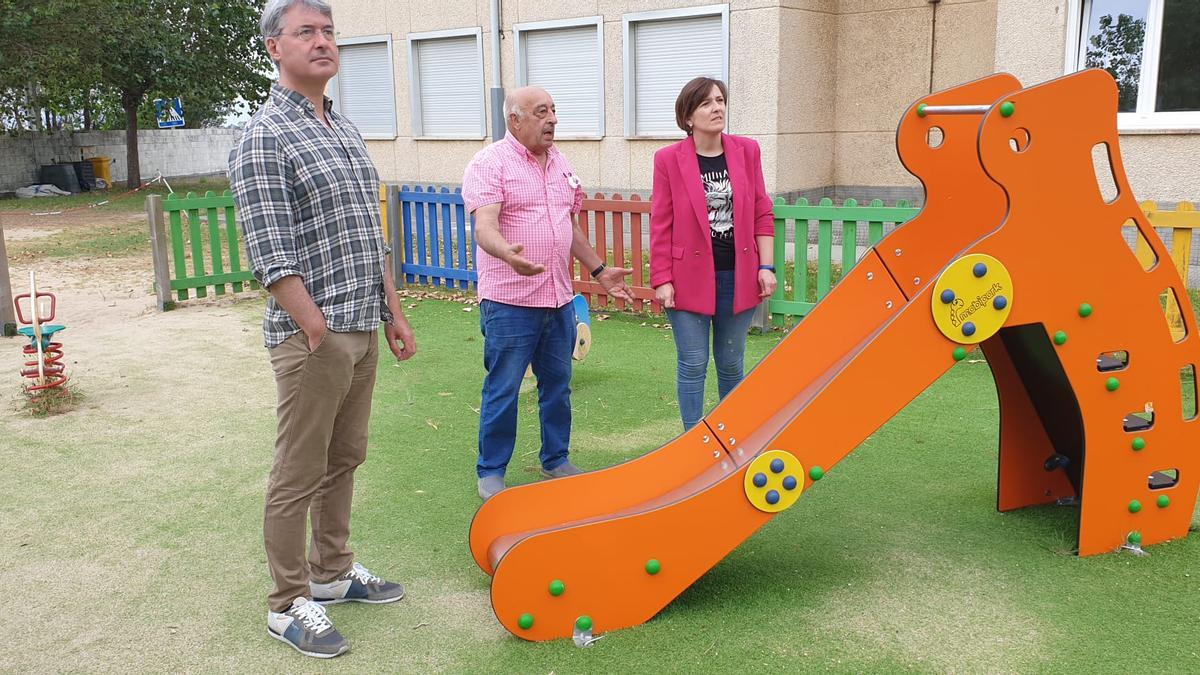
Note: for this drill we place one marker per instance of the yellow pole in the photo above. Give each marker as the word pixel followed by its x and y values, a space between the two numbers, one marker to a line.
pixel 383 211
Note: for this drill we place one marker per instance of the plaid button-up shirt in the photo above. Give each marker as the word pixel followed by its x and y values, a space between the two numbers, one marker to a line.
pixel 536 209
pixel 308 200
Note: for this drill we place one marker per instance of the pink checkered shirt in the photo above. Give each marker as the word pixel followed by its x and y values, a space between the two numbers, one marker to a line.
pixel 536 209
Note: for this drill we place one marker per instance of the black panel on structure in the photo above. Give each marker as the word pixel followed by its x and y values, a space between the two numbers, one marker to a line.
pixel 1037 364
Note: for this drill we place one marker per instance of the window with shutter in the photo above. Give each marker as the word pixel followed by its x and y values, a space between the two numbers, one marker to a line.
pixel 663 50
pixel 566 59
pixel 446 84
pixel 364 88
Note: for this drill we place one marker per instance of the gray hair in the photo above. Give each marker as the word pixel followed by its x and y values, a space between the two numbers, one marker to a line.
pixel 511 107
pixel 272 16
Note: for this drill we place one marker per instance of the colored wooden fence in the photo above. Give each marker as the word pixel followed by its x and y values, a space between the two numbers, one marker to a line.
pixel 796 296
pixel 438 240
pixel 196 246
pixel 1182 222
pixel 619 229
pixel 438 243
pixel 198 249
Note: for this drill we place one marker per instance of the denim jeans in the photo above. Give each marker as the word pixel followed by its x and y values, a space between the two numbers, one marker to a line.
pixel 513 338
pixel 691 346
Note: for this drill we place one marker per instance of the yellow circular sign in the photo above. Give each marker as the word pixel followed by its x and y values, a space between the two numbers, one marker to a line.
pixel 774 481
pixel 972 299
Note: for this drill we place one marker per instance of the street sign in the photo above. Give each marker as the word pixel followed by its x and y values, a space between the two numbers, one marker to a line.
pixel 168 112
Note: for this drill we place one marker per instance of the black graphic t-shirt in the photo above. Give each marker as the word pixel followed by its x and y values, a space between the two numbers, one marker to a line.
pixel 718 192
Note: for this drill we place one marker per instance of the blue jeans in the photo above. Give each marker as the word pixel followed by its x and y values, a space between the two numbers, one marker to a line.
pixel 691 346
pixel 513 338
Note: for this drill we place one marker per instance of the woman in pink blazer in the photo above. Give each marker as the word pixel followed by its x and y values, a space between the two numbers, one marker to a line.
pixel 711 242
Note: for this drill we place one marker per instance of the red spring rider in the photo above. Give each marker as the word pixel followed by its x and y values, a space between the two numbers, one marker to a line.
pixel 46 370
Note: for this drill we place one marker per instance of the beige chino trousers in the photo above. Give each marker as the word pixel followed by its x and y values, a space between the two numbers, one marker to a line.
pixel 323 409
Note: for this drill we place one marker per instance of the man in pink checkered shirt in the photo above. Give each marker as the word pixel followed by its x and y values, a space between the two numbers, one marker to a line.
pixel 525 199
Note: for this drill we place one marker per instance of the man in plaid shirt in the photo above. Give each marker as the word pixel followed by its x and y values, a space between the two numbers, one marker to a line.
pixel 306 194
pixel 525 198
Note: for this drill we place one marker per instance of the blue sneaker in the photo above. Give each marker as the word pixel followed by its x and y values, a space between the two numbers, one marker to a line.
pixel 307 629
pixel 356 585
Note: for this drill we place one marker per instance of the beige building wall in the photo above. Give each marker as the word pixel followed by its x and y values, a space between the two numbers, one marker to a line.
pixel 820 84
pixel 613 163
pixel 889 54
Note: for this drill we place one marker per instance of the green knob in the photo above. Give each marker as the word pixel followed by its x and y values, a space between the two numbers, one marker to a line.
pixel 1007 109
pixel 1139 443
pixel 653 566
pixel 1163 501
pixel 557 587
pixel 921 110
pixel 1135 537
pixel 960 353
pixel 816 473
pixel 525 622
pixel 1060 338
pixel 1085 310
pixel 1112 384
pixel 1135 506
pixel 584 622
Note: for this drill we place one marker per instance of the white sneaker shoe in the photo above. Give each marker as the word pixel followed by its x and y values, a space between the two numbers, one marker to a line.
pixel 307 629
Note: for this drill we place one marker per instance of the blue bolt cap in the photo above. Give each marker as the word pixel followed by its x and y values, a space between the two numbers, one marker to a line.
pixel 968 329
pixel 760 479
pixel 776 465
pixel 1000 302
pixel 772 497
pixel 947 296
pixel 979 269
pixel 789 483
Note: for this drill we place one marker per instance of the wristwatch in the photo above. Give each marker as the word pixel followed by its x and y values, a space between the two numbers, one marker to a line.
pixel 767 267
pixel 596 272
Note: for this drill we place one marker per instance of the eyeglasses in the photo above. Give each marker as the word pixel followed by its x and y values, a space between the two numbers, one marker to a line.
pixel 308 33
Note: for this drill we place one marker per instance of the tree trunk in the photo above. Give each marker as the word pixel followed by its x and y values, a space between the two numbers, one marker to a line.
pixel 130 103
pixel 87 111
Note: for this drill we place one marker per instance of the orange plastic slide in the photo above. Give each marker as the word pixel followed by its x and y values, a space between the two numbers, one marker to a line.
pixel 1035 271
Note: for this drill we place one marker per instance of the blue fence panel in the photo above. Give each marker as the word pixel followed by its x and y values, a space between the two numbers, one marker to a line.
pixel 436 221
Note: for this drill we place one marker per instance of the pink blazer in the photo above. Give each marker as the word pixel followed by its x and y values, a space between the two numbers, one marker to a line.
pixel 680 238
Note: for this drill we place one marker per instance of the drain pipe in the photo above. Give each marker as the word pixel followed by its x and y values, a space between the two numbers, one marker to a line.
pixel 498 121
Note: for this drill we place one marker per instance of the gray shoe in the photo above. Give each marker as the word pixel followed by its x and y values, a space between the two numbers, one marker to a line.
pixel 356 585
pixel 562 470
pixel 305 627
pixel 489 486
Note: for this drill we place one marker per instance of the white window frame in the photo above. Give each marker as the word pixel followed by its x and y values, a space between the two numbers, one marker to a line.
pixel 414 89
pixel 1145 118
pixel 598 22
pixel 335 91
pixel 629 19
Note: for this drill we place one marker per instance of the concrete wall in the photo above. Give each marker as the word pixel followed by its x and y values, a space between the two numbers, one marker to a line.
pixel 890 53
pixel 173 152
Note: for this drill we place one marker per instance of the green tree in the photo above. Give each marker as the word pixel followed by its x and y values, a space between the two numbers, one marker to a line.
pixel 82 64
pixel 40 60
pixel 204 50
pixel 1117 48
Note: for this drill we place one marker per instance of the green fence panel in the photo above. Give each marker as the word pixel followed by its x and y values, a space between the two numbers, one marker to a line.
pixel 208 262
pixel 795 219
